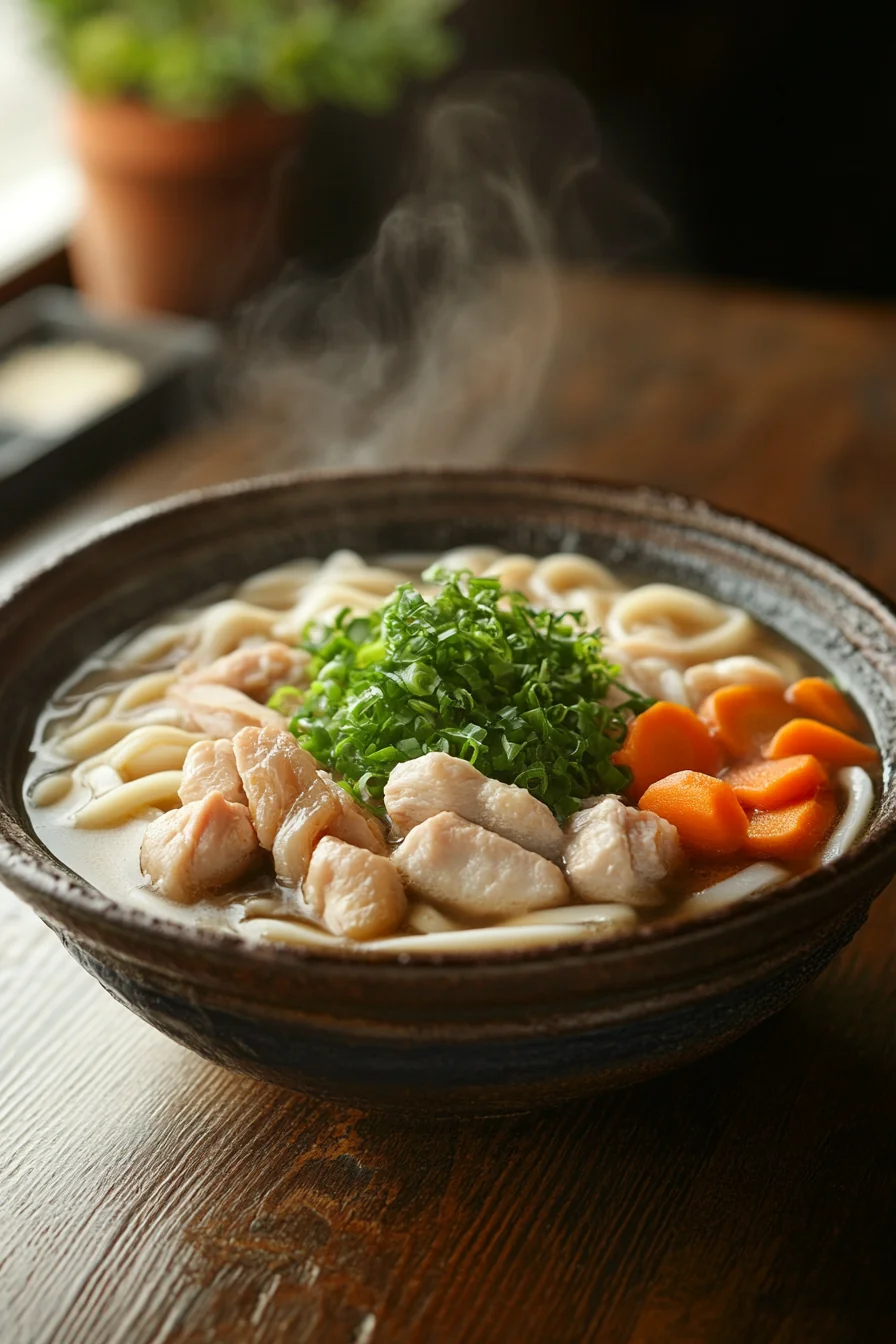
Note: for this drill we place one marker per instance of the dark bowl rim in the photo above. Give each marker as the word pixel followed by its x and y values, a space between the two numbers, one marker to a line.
pixel 49 882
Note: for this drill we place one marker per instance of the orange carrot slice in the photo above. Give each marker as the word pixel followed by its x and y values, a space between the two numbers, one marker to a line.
pixel 741 718
pixel 817 698
pixel 705 811
pixel 807 737
pixel 665 738
pixel 770 784
pixel 791 832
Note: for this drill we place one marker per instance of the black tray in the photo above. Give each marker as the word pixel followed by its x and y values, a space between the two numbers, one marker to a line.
pixel 177 357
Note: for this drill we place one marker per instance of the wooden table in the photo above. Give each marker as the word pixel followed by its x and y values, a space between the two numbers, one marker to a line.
pixel 146 1196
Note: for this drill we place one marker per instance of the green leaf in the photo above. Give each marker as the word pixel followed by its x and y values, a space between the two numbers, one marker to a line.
pixel 107 55
pixel 200 57
pixel 472 671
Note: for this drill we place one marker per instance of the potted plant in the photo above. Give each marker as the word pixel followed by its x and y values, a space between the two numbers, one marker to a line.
pixel 183 113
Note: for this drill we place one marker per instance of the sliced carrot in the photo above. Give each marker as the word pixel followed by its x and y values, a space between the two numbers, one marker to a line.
pixel 705 811
pixel 770 784
pixel 789 832
pixel 741 718
pixel 817 698
pixel 665 738
pixel 807 737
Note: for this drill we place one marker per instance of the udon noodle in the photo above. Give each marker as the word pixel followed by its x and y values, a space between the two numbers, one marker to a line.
pixel 116 751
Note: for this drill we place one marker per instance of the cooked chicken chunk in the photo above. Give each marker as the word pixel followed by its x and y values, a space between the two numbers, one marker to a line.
pixel 296 838
pixel 290 805
pixel 358 894
pixel 210 767
pixel 618 854
pixel 196 850
pixel 277 773
pixel 256 670
pixel 354 824
pixel 220 710
pixel 437 783
pixel 466 870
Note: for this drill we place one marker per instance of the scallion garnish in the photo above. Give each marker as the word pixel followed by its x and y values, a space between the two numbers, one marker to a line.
pixel 473 671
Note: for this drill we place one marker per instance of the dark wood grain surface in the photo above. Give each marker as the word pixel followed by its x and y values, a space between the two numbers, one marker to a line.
pixel 148 1197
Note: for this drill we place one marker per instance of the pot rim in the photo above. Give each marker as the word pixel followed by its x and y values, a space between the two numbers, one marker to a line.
pixel 45 882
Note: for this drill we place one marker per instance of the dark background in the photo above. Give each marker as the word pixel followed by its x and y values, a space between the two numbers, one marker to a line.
pixel 765 131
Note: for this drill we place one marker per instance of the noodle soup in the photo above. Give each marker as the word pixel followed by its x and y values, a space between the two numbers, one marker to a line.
pixel 486 751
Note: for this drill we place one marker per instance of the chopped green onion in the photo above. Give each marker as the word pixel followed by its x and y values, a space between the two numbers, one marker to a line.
pixel 473 671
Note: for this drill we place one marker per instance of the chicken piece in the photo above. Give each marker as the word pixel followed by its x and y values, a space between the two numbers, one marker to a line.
pixel 354 824
pixel 466 870
pixel 618 854
pixel 220 710
pixel 210 767
pixel 257 670
pixel 277 773
pixel 745 670
pixel 290 805
pixel 296 838
pixel 420 789
pixel 198 849
pixel 359 895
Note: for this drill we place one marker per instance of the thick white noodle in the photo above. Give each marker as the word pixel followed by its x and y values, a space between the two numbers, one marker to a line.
pixel 790 668
pixel 593 603
pixel 476 940
pixel 90 741
pixel 425 918
pixel 144 691
pixel 323 601
pixel 284 931
pixel 225 626
pixel 99 707
pixel 557 576
pixel 749 881
pixel 278 588
pixel 344 580
pixel 455 940
pixel 151 749
pixel 514 571
pixel 51 789
pixel 103 734
pixel 857 785
pixel 204 635
pixel 474 558
pixel 129 800
pixel 605 919
pixel 660 620
pixel 743 670
pixel 561 582
pixel 159 642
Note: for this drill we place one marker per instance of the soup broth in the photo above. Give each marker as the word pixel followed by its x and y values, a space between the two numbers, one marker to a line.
pixel 487 751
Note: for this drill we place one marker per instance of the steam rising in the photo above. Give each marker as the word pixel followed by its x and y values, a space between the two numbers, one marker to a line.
pixel 436 346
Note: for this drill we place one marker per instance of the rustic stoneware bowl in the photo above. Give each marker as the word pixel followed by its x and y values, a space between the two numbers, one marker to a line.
pixel 499 1031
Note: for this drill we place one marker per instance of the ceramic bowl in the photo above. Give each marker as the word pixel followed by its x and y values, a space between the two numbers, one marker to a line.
pixel 480 1033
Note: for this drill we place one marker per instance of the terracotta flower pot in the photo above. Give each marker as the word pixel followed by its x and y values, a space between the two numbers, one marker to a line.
pixel 181 215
